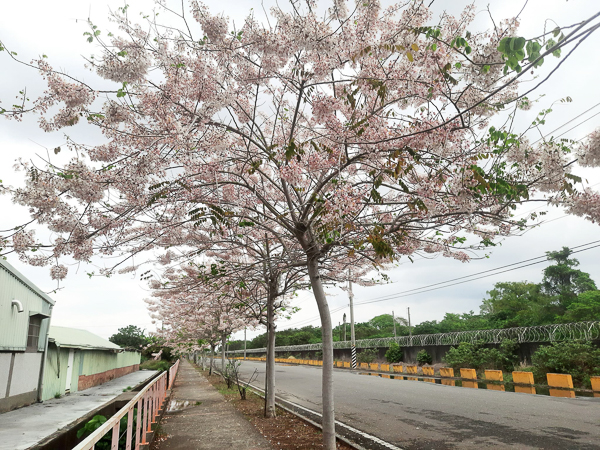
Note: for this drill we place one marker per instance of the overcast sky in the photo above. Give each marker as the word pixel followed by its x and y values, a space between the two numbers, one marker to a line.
pixel 101 305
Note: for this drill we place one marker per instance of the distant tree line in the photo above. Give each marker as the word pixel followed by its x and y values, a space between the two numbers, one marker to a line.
pixel 566 294
pixel 134 338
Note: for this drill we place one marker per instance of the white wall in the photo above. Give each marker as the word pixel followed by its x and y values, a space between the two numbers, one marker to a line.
pixel 26 373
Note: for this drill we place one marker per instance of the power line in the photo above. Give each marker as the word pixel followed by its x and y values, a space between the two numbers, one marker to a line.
pixel 314 318
pixel 580 123
pixel 431 287
pixel 384 297
pixel 567 123
pixel 408 293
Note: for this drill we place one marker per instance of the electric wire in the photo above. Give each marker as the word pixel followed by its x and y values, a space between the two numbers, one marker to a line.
pixel 479 273
pixel 465 281
pixel 568 122
pixel 436 286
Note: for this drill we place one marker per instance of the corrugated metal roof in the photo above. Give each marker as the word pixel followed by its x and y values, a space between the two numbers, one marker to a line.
pixel 76 338
pixel 6 266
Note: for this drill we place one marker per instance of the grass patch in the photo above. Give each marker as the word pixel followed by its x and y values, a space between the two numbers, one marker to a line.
pixel 155 365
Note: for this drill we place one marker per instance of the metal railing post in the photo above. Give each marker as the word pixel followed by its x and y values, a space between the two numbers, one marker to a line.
pixel 129 429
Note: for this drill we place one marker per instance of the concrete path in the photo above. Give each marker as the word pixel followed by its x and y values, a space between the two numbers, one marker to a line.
pixel 24 427
pixel 415 415
pixel 198 417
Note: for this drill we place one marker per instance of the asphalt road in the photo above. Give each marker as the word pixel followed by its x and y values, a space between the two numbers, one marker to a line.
pixel 419 415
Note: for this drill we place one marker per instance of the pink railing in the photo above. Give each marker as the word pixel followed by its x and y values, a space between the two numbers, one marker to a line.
pixel 149 401
pixel 172 373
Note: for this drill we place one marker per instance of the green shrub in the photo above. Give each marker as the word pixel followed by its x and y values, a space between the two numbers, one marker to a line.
pixel 367 356
pixel 155 365
pixel 423 357
pixel 394 353
pixel 105 443
pixel 476 356
pixel 579 359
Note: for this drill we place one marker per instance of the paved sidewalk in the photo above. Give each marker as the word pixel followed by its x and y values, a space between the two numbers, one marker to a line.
pixel 211 424
pixel 24 427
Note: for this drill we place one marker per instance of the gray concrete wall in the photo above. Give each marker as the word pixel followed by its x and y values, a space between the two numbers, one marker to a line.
pixel 19 378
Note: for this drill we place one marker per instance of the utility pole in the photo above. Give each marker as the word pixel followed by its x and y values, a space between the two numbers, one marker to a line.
pixel 340 327
pixel 352 337
pixel 344 327
pixel 409 328
pixel 245 343
pixel 394 320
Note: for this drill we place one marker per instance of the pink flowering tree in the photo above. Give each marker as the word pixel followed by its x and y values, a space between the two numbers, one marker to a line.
pixel 356 136
pixel 190 315
pixel 248 267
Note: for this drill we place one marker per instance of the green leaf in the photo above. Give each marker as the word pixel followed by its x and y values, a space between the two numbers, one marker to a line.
pixel 519 43
pixel 502 45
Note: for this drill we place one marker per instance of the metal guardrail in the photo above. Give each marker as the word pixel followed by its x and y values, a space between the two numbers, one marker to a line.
pixel 148 402
pixel 542 333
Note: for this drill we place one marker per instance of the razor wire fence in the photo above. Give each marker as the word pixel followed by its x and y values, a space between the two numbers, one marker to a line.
pixel 544 333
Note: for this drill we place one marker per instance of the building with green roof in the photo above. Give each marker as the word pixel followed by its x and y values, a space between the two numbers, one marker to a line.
pixel 77 360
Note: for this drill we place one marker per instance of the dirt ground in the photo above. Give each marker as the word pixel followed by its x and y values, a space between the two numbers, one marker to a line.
pixel 285 432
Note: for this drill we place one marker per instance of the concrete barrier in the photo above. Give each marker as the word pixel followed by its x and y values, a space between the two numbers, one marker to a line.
pixel 364 366
pixel 347 365
pixel 412 369
pixel 429 371
pixel 559 380
pixel 398 369
pixel 595 383
pixel 522 377
pixel 469 374
pixel 561 393
pixel 470 384
pixel 494 375
pixel 495 387
pixel 525 389
pixel 385 367
pixel 447 382
pixel 374 366
pixel 447 372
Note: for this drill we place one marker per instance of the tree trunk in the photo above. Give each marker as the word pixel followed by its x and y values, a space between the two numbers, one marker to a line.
pixel 270 370
pixel 212 357
pixel 327 373
pixel 223 343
